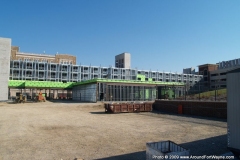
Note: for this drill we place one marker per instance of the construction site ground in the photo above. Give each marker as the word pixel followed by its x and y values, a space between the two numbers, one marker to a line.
pixel 66 130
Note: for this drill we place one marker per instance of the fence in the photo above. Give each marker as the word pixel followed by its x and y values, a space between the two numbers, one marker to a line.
pixel 219 94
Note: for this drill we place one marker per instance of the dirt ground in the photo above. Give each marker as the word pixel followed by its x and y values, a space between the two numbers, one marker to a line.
pixel 65 131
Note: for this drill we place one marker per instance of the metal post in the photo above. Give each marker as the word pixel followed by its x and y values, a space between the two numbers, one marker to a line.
pixel 49 91
pixel 156 92
pixel 120 96
pixel 185 92
pixel 131 93
pixel 107 93
pixel 9 93
pixel 98 93
pixel 215 94
pixel 199 91
pixel 165 93
pixel 31 93
pixel 174 88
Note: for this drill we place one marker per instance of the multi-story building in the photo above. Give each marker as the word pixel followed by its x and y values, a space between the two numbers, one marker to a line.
pixel 229 64
pixel 205 70
pixel 57 58
pixel 215 75
pixel 43 71
pixel 189 71
pixel 218 78
pixel 123 60
pixel 41 67
pixel 30 68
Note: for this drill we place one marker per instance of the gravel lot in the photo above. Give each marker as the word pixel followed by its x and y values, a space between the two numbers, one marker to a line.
pixel 62 130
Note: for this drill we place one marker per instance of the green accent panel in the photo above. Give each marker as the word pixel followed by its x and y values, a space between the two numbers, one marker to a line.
pixel 38 84
pixel 16 83
pixel 150 79
pixel 49 84
pixel 141 76
pixel 130 82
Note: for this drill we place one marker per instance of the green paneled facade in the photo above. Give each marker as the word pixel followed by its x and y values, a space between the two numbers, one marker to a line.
pixel 68 85
pixel 39 84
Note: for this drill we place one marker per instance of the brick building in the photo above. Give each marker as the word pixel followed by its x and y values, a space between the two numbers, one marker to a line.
pixel 57 58
pixel 205 70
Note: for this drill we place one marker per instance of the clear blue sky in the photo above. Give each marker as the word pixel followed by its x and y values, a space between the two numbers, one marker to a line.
pixel 164 35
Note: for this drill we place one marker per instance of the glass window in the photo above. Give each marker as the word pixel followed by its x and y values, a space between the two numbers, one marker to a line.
pixel 205 72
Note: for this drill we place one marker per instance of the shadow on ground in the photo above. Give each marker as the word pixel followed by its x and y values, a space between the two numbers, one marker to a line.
pixel 98 112
pixel 166 113
pixel 53 101
pixel 67 101
pixel 210 146
pixel 131 156
pixel 103 112
pixel 192 116
pixel 14 102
